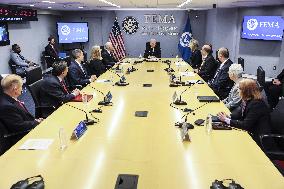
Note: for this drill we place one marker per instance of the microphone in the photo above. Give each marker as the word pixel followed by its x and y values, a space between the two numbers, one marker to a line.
pixel 122 81
pixel 179 100
pixel 107 100
pixel 172 82
pixel 179 124
pixel 87 121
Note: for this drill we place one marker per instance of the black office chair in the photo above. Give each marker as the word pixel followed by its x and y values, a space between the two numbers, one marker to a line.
pixel 241 61
pixel 260 77
pixel 7 140
pixel 33 74
pixel 40 111
pixel 48 60
pixel 15 69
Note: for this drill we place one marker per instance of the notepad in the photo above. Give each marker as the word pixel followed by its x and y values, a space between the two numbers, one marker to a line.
pixel 36 144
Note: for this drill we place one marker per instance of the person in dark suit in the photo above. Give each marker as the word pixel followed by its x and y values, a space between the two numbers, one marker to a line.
pixel 274 89
pixel 196 57
pixel 77 74
pixel 96 66
pixel 14 114
pixel 54 91
pixel 221 84
pixel 208 66
pixel 51 51
pixel 1 90
pixel 152 51
pixel 108 59
pixel 255 117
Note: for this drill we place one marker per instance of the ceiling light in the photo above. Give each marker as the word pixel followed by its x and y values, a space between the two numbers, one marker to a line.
pixel 32 5
pixel 51 2
pixel 45 1
pixel 110 3
pixel 184 3
pixel 49 7
pixel 80 7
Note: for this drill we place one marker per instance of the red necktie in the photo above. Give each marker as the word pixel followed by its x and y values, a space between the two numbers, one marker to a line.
pixel 22 105
pixel 64 86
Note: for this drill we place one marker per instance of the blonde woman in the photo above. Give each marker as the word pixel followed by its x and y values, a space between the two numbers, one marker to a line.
pixel 196 57
pixel 96 65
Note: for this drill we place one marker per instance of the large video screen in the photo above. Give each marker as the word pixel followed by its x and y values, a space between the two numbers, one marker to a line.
pixel 4 34
pixel 263 27
pixel 75 32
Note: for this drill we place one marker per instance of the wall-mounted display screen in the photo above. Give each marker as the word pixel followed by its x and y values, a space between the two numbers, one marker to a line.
pixel 74 32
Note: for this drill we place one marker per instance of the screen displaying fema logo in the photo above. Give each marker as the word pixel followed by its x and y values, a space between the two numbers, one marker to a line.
pixel 73 32
pixel 263 27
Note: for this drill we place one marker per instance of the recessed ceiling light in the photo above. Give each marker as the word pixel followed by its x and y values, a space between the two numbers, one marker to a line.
pixel 49 7
pixel 51 2
pixel 80 7
pixel 184 3
pixel 32 5
pixel 45 1
pixel 110 3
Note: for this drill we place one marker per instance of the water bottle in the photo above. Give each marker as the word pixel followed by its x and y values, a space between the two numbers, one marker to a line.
pixel 62 139
pixel 84 98
pixel 208 124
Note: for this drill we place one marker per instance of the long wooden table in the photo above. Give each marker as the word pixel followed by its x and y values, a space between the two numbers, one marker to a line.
pixel 150 147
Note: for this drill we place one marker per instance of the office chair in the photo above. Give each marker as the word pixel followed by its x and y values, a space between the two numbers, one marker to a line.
pixel 260 76
pixel 276 152
pixel 33 74
pixel 13 66
pixel 241 61
pixel 7 140
pixel 40 111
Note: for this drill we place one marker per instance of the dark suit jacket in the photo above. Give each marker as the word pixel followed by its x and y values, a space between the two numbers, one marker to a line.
pixel 1 90
pixel 14 117
pixel 52 92
pixel 108 59
pixel 195 59
pixel 77 76
pixel 208 68
pixel 222 84
pixel 255 119
pixel 96 67
pixel 149 52
pixel 53 53
pixel 281 76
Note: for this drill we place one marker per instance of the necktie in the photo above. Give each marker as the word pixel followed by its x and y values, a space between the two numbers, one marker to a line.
pixel 23 58
pixel 217 72
pixel 64 87
pixel 22 105
pixel 83 70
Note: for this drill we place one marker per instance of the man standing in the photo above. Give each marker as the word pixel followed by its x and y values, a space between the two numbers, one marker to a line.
pixel 77 73
pixel 221 83
pixel 51 51
pixel 54 91
pixel 152 51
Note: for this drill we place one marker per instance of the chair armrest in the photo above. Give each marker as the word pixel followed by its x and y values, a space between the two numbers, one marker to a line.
pixel 15 134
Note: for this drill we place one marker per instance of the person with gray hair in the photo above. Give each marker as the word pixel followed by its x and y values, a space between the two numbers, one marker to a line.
pixel 234 98
pixel 78 75
pixel 196 57
pixel 153 50
pixel 107 54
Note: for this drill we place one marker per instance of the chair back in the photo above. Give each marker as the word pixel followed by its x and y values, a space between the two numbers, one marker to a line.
pixel 34 89
pixel 5 144
pixel 33 74
pixel 260 76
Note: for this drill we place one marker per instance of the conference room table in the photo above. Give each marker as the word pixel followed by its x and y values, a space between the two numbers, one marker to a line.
pixel 150 147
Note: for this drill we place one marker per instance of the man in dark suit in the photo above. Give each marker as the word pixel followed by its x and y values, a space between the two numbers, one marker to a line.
pixel 108 59
pixel 274 89
pixel 77 74
pixel 221 83
pixel 54 91
pixel 1 90
pixel 14 114
pixel 152 51
pixel 209 64
pixel 51 51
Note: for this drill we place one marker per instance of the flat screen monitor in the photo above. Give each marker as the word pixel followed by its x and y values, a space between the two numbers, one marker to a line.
pixel 4 34
pixel 73 32
pixel 263 27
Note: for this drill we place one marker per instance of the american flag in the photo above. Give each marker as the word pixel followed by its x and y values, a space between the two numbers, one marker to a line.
pixel 116 39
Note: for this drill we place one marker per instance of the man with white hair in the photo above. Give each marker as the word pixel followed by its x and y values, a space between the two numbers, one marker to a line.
pixel 153 50
pixel 234 98
pixel 108 58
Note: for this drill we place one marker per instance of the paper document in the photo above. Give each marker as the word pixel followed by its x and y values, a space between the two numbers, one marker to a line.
pixel 102 80
pixel 36 144
pixel 188 74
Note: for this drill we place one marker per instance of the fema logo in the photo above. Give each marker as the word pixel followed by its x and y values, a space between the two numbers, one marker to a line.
pixel 185 39
pixel 130 25
pixel 252 24
pixel 65 30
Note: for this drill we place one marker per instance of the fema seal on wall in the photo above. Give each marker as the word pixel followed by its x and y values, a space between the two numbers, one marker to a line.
pixel 130 25
pixel 252 24
pixel 185 39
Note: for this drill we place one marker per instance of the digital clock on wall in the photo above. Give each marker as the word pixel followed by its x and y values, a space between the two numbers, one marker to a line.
pixel 10 14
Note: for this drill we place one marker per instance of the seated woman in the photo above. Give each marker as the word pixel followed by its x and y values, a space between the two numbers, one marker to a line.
pixel 234 99
pixel 255 117
pixel 96 66
pixel 196 57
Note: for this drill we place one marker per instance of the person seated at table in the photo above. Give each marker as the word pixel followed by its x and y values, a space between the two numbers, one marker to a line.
pixel 51 51
pixel 77 74
pixel 221 83
pixel 96 66
pixel 254 116
pixel 234 98
pixel 14 114
pixel 274 89
pixel 196 57
pixel 1 90
pixel 107 55
pixel 19 61
pixel 208 66
pixel 54 90
pixel 153 50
